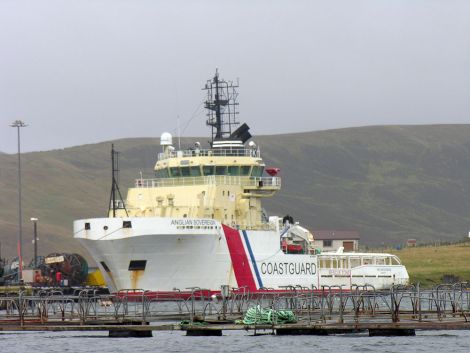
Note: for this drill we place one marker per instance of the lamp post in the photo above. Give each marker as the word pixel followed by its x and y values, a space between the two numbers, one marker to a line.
pixel 35 241
pixel 19 124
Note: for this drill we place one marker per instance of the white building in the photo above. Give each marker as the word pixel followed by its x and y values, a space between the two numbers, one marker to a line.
pixel 332 240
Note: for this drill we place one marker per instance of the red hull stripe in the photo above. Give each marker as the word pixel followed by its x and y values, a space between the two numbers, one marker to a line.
pixel 240 262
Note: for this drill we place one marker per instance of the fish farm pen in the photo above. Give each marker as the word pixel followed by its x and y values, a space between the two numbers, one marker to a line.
pixel 398 311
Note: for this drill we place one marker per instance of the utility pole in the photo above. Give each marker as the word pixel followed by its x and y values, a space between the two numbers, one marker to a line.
pixel 35 241
pixel 19 124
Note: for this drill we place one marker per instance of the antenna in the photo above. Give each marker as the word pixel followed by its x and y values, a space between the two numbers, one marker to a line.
pixel 114 184
pixel 221 105
pixel 179 132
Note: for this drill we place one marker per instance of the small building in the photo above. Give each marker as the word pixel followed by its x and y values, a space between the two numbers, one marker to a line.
pixel 332 240
pixel 411 243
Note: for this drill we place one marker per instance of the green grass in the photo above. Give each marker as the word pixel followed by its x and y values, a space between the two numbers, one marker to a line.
pixel 427 265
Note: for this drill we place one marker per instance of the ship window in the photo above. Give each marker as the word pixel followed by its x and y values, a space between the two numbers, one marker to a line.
pixel 220 170
pixel 126 224
pixel 175 172
pixel 245 170
pixel 87 226
pixel 234 170
pixel 106 268
pixel 208 170
pixel 257 171
pixel 380 261
pixel 354 262
pixel 137 265
pixel 162 173
pixel 195 171
pixel 184 171
pixel 327 243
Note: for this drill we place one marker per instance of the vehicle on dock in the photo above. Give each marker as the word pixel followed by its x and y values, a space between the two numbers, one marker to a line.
pixel 200 223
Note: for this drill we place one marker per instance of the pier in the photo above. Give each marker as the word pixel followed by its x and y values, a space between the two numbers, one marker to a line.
pixel 399 311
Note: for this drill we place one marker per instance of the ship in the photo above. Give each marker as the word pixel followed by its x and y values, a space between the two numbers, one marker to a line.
pixel 200 223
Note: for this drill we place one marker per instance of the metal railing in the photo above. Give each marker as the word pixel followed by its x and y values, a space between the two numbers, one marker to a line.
pixel 246 181
pixel 233 152
pixel 358 304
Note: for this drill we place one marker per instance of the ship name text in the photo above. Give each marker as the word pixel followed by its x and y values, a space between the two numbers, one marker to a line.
pixel 288 268
pixel 192 222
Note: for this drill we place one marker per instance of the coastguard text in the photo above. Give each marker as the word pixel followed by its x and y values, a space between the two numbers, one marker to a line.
pixel 288 268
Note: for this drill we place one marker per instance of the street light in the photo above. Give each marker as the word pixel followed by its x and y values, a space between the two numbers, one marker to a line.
pixel 35 241
pixel 19 124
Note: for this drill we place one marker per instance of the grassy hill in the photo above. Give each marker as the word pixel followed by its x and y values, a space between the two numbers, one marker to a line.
pixel 428 265
pixel 390 183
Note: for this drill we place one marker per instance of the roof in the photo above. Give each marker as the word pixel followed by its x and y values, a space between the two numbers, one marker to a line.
pixel 336 235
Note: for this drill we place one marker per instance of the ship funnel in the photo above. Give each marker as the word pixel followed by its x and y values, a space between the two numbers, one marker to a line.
pixel 166 139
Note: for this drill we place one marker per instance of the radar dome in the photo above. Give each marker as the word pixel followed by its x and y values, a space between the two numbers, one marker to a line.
pixel 166 139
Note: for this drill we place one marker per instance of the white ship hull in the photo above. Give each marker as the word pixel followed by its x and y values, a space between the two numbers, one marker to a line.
pixel 164 254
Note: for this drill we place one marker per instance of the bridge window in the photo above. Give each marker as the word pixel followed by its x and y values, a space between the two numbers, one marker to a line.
pixel 208 169
pixel 245 170
pixel 184 171
pixel 195 171
pixel 175 172
pixel 257 171
pixel 220 170
pixel 234 170
pixel 162 173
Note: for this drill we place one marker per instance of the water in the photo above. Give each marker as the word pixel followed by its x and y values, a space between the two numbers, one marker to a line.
pixel 239 341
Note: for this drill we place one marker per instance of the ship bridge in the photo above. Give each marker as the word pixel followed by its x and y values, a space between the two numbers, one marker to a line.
pixel 225 182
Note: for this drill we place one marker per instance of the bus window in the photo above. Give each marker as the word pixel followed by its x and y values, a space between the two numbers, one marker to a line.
pixel 184 171
pixel 220 170
pixel 208 170
pixel 175 172
pixel 234 170
pixel 195 171
pixel 245 170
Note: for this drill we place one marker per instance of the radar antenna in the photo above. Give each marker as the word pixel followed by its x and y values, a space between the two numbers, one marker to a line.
pixel 221 105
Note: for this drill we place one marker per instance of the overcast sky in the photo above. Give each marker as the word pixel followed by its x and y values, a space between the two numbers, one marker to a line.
pixel 87 71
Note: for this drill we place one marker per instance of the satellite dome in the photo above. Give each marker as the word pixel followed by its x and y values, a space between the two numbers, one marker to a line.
pixel 166 139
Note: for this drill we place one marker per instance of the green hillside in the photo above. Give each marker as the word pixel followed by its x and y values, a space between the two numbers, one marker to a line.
pixel 429 265
pixel 390 183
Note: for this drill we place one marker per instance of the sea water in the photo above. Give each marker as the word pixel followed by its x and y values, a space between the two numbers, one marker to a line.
pixel 231 341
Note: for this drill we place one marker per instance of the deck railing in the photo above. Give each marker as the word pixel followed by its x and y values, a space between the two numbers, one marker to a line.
pixel 259 182
pixel 231 152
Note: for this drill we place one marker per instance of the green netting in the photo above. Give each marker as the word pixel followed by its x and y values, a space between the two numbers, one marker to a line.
pixel 262 316
pixel 194 323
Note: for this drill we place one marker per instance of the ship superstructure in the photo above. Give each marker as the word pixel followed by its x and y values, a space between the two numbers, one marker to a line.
pixel 200 222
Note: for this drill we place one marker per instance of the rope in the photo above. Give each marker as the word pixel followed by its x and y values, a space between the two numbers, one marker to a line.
pixel 261 316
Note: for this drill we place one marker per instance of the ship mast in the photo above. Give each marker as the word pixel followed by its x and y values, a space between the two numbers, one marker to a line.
pixel 222 107
pixel 113 202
